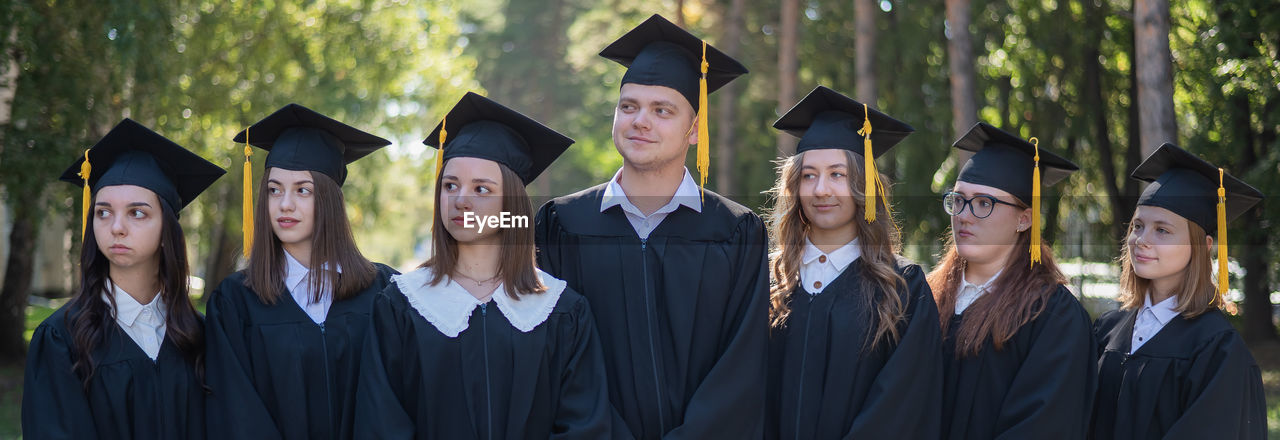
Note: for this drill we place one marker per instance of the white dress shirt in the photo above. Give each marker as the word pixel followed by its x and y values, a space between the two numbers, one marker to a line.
pixel 970 292
pixel 302 292
pixel 1151 319
pixel 144 323
pixel 687 194
pixel 818 269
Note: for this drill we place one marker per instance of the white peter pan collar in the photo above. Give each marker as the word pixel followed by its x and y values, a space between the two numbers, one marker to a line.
pixel 448 306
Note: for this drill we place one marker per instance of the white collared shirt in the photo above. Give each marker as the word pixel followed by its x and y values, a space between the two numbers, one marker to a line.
pixel 302 292
pixel 687 194
pixel 970 292
pixel 818 269
pixel 448 306
pixel 1151 319
pixel 144 323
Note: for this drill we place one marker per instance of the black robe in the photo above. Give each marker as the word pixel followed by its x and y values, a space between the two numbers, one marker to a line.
pixel 129 397
pixel 275 373
pixel 1040 386
pixel 683 314
pixel 824 383
pixel 1194 379
pixel 492 381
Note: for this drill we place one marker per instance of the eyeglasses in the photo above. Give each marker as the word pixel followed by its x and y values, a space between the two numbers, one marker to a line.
pixel 980 205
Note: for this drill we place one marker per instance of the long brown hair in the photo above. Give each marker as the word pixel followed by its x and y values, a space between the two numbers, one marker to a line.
pixel 90 318
pixel 1017 297
pixel 1196 294
pixel 878 241
pixel 332 247
pixel 517 267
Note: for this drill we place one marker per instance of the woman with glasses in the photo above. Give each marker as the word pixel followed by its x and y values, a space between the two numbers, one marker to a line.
pixel 854 346
pixel 1018 353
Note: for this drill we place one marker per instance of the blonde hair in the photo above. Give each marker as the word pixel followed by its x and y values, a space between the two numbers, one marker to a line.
pixel 1196 294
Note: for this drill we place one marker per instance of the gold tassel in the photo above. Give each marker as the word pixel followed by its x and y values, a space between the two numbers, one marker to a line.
pixel 1222 236
pixel 869 167
pixel 704 132
pixel 85 170
pixel 1035 206
pixel 440 152
pixel 246 208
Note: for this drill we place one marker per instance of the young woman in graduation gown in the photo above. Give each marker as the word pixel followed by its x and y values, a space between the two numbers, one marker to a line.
pixel 124 358
pixel 285 334
pixel 1170 365
pixel 1017 350
pixel 854 348
pixel 478 343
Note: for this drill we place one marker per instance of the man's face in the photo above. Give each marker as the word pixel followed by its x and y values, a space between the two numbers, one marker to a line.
pixel 653 126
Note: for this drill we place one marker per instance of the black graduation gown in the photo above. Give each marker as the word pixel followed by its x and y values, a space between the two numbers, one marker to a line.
pixel 492 381
pixel 129 397
pixel 275 373
pixel 683 313
pixel 1038 387
pixel 823 383
pixel 1194 379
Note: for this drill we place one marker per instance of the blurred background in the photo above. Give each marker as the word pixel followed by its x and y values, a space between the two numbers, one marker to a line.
pixel 1102 82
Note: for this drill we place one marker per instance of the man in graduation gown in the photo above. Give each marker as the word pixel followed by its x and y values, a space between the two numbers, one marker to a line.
pixel 675 275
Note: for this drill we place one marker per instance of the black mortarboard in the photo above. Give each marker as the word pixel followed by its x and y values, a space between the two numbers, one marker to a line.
pixel 299 139
pixel 1188 186
pixel 828 119
pixel 1005 161
pixel 659 53
pixel 131 154
pixel 488 130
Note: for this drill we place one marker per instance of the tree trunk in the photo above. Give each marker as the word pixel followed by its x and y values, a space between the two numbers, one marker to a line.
pixel 1256 255
pixel 964 107
pixel 864 13
pixel 788 65
pixel 1154 66
pixel 680 14
pixel 17 282
pixel 726 109
pixel 223 251
pixel 1096 103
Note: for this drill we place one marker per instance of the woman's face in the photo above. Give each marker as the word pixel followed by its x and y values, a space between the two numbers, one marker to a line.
pixel 470 195
pixel 825 195
pixel 991 238
pixel 1159 244
pixel 291 204
pixel 127 225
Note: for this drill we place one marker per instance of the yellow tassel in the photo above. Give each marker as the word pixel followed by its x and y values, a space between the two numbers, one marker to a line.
pixel 246 208
pixel 869 166
pixel 440 153
pixel 704 132
pixel 1222 236
pixel 85 170
pixel 1035 206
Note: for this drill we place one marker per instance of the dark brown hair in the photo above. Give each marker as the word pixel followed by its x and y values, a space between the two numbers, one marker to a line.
pixel 89 318
pixel 517 267
pixel 1017 297
pixel 1197 293
pixel 878 241
pixel 332 247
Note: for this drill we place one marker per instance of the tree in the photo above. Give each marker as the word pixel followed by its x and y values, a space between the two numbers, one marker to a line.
pixel 788 66
pixel 1154 65
pixel 964 109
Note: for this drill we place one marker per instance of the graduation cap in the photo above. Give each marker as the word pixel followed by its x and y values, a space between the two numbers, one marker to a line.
pixel 489 130
pixel 659 53
pixel 300 139
pixel 132 154
pixel 827 119
pixel 1198 191
pixel 1010 163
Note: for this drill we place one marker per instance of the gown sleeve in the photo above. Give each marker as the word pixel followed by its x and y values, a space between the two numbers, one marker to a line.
pixel 379 411
pixel 54 405
pixel 729 402
pixel 1052 394
pixel 234 409
pixel 906 399
pixel 1228 400
pixel 584 412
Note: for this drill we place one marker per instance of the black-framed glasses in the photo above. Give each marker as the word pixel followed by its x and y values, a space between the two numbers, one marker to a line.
pixel 980 205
